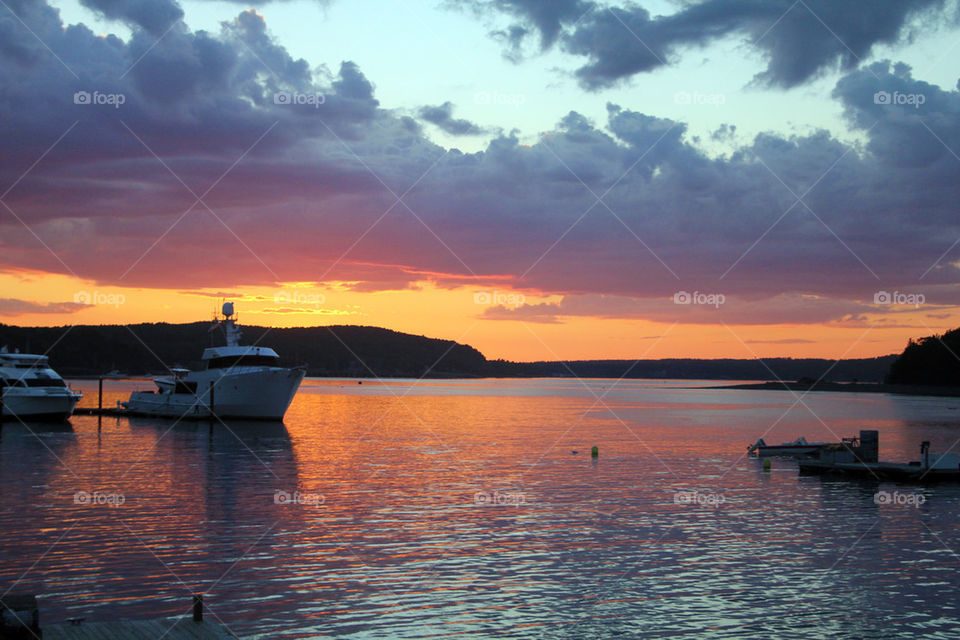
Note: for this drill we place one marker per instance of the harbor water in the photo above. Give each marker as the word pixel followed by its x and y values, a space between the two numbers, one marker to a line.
pixel 440 508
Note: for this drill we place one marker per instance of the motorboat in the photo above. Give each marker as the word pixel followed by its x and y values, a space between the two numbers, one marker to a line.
pixel 32 390
pixel 799 447
pixel 236 381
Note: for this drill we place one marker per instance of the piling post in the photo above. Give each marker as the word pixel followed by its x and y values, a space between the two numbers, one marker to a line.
pixel 198 607
pixel 210 399
pixel 100 394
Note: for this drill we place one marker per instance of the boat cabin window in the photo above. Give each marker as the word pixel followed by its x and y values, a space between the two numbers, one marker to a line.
pixel 183 386
pixel 243 361
pixel 45 382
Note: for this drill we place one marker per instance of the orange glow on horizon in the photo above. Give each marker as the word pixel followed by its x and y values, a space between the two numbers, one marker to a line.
pixel 453 314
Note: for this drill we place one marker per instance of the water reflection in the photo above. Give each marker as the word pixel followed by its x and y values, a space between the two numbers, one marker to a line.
pixel 421 509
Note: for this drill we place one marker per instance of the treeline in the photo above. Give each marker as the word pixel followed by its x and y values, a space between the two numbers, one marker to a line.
pixel 934 360
pixel 861 369
pixel 145 349
pixel 352 351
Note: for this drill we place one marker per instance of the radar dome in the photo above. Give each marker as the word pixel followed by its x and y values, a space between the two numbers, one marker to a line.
pixel 228 309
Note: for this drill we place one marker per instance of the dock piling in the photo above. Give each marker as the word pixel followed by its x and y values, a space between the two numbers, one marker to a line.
pixel 198 607
pixel 210 398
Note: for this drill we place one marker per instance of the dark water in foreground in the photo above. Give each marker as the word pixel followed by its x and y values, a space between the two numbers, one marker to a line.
pixel 456 507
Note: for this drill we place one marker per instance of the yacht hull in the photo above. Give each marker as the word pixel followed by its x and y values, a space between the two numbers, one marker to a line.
pixel 49 406
pixel 255 394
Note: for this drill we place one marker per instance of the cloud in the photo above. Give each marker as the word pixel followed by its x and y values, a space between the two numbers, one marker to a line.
pixel 442 116
pixel 232 163
pixel 16 307
pixel 798 40
pixel 707 308
pixel 155 16
pixel 546 17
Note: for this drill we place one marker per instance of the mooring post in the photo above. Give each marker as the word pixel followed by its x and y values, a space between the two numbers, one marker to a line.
pixel 212 413
pixel 198 607
pixel 100 395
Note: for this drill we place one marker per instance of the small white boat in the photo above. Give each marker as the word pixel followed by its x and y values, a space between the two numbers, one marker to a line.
pixel 32 390
pixel 799 447
pixel 237 382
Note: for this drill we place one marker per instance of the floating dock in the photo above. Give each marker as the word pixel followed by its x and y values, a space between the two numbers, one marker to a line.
pixel 859 457
pixel 101 411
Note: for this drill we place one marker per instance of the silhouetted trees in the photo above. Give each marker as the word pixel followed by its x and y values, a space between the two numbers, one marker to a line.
pixel 328 351
pixel 934 360
pixel 352 351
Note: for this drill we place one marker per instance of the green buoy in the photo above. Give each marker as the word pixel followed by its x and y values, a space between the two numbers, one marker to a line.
pixel 595 452
pixel 766 464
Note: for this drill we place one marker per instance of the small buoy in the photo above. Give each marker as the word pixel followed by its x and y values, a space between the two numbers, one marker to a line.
pixel 574 452
pixel 359 381
pixel 595 451
pixel 766 464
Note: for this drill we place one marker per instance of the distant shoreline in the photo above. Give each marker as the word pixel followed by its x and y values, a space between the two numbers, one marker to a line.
pixel 847 387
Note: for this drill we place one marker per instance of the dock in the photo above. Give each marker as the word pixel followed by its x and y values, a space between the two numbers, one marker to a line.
pixel 101 411
pixel 166 628
pixel 903 472
pixel 858 458
pixel 21 620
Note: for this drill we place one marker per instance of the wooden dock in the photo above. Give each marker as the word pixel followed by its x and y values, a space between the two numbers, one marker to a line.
pixel 166 628
pixel 21 620
pixel 98 411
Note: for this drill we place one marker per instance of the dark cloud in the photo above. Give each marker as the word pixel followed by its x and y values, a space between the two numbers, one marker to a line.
pixel 15 307
pixel 543 17
pixel 799 40
pixel 155 16
pixel 302 169
pixel 442 116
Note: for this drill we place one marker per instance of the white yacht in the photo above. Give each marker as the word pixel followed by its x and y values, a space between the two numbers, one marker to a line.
pixel 32 390
pixel 236 382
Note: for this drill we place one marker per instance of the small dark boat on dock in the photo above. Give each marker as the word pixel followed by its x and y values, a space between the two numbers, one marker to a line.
pixel 859 457
pixel 799 447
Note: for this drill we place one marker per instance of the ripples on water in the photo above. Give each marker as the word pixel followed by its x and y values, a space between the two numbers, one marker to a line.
pixel 450 507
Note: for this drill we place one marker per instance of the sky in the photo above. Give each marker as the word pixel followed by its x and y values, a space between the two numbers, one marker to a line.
pixel 541 179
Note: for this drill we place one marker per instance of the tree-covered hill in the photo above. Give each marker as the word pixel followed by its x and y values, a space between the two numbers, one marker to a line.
pixel 934 360
pixel 328 351
pixel 353 351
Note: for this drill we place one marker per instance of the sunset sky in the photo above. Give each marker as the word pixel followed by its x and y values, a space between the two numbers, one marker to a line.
pixel 539 179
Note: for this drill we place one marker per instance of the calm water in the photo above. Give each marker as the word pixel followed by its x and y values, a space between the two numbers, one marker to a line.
pixel 457 507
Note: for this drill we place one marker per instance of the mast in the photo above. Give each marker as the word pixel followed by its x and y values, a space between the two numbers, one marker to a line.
pixel 230 328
